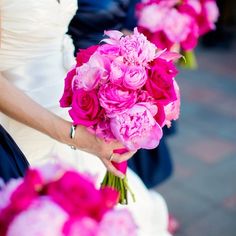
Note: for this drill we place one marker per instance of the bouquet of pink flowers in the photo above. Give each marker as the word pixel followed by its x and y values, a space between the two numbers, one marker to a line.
pixel 123 89
pixel 57 202
pixel 177 24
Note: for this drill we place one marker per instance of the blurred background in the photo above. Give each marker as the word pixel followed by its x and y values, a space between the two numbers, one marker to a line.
pixel 202 192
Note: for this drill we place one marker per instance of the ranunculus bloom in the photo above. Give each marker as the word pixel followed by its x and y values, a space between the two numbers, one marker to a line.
pixel 130 76
pixel 120 221
pixel 172 110
pixel 136 128
pixel 136 49
pixel 67 96
pixel 160 81
pixel 115 99
pixel 85 107
pixel 43 218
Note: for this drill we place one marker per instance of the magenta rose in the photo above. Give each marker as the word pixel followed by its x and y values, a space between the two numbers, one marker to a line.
pixel 115 99
pixel 67 96
pixel 136 128
pixel 160 81
pixel 85 107
pixel 84 54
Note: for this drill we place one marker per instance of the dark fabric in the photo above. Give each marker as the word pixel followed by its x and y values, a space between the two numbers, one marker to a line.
pixel 13 163
pixel 93 17
pixel 153 166
pixel 87 28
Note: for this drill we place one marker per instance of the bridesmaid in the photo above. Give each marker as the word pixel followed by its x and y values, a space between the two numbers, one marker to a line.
pixel 13 163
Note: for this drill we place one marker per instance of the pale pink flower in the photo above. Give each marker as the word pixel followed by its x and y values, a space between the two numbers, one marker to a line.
pixel 172 110
pixel 136 49
pixel 7 190
pixel 212 13
pixel 152 17
pixel 119 222
pixel 136 128
pixel 43 218
pixel 176 26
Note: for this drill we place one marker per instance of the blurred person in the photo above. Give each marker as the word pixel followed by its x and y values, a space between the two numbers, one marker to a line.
pixel 34 58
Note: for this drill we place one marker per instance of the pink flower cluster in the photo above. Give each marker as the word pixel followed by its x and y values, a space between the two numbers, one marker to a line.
pixel 167 23
pixel 122 89
pixel 66 205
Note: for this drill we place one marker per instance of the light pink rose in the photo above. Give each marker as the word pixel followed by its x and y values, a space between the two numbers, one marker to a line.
pixel 115 99
pixel 43 218
pixel 92 73
pixel 136 49
pixel 136 128
pixel 212 13
pixel 172 110
pixel 119 221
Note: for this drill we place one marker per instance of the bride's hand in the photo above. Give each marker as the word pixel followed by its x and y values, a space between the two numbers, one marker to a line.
pixel 86 141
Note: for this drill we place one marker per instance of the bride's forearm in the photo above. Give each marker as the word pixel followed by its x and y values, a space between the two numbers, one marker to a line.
pixel 17 105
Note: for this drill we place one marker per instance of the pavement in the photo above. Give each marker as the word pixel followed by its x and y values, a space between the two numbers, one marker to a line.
pixel 201 194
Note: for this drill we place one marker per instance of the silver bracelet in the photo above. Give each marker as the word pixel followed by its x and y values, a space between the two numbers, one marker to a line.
pixel 72 135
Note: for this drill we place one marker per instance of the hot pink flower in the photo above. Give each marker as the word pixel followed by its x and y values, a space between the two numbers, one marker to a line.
pixel 67 96
pixel 160 82
pixel 115 99
pixel 85 107
pixel 84 54
pixel 121 221
pixel 136 128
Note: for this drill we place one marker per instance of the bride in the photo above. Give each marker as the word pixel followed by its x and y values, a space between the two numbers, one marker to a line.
pixel 35 54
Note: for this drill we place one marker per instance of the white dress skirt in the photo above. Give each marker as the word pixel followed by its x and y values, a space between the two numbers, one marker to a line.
pixel 34 56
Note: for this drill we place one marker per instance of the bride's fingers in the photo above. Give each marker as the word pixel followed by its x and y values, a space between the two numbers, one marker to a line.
pixel 116 157
pixel 112 169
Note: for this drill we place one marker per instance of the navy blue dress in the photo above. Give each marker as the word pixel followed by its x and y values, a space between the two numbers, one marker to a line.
pixel 13 163
pixel 87 28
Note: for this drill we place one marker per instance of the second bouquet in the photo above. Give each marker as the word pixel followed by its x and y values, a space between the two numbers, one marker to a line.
pixel 123 89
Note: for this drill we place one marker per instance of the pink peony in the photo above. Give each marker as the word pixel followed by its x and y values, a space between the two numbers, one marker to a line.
pixel 85 107
pixel 84 226
pixel 137 50
pixel 160 82
pixel 115 99
pixel 43 217
pixel 122 224
pixel 136 128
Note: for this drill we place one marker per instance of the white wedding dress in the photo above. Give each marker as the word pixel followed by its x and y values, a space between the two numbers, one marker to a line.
pixel 35 54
